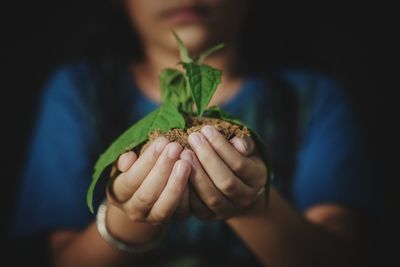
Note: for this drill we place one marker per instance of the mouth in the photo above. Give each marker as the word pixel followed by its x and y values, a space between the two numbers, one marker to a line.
pixel 185 15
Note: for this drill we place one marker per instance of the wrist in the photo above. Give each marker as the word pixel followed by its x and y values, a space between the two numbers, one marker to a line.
pixel 127 231
pixel 259 206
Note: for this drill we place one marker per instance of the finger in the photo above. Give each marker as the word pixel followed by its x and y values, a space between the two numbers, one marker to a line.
pixel 183 209
pixel 128 182
pixel 233 158
pixel 240 165
pixel 172 194
pixel 126 160
pixel 245 146
pixel 204 187
pixel 220 174
pixel 224 149
pixel 198 208
pixel 152 186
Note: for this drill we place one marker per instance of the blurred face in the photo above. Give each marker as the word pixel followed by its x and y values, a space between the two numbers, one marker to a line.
pixel 200 23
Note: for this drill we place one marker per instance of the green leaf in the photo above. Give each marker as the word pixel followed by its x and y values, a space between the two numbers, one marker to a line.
pixel 172 83
pixel 208 52
pixel 203 81
pixel 164 118
pixel 174 89
pixel 217 112
pixel 183 51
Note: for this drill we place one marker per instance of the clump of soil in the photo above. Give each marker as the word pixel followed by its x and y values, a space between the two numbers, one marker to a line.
pixel 194 124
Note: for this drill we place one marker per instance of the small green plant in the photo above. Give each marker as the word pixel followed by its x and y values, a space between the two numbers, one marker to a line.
pixel 180 91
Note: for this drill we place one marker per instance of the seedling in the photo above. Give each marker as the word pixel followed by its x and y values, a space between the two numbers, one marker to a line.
pixel 184 109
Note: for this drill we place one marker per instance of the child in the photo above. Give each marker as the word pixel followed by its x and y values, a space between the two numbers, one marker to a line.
pixel 205 205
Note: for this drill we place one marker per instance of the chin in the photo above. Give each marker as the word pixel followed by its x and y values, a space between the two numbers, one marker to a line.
pixel 196 37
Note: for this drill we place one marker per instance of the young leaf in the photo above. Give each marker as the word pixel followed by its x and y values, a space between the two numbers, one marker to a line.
pixel 164 118
pixel 203 81
pixel 217 112
pixel 208 52
pixel 183 51
pixel 174 89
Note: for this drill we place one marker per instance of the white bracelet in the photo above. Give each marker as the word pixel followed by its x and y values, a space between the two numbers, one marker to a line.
pixel 102 228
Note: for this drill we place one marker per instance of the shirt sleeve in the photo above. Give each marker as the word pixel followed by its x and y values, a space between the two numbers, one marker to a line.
pixel 59 164
pixel 334 162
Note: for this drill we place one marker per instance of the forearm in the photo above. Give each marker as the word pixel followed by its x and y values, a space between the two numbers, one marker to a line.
pixel 88 248
pixel 279 236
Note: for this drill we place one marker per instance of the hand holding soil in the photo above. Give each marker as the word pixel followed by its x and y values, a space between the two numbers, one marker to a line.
pixel 184 113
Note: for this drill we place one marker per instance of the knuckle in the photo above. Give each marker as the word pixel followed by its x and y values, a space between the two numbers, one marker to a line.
pixel 228 186
pixel 214 203
pixel 144 200
pixel 135 216
pixel 158 217
pixel 238 165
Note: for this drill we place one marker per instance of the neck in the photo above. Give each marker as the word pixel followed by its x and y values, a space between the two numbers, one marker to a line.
pixel 147 71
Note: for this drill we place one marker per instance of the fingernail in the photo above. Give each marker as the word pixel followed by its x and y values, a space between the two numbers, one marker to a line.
pixel 195 139
pixel 173 150
pixel 124 157
pixel 123 161
pixel 160 144
pixel 180 169
pixel 243 145
pixel 238 144
pixel 208 131
pixel 186 155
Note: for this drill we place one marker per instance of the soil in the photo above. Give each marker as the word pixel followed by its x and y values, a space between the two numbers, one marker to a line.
pixel 194 124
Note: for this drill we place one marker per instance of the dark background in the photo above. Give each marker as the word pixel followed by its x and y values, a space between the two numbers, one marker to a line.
pixel 351 41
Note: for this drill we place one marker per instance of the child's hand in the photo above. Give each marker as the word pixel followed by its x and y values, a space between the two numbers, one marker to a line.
pixel 227 177
pixel 150 188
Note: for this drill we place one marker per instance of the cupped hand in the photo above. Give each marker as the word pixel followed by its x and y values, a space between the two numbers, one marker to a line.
pixel 149 188
pixel 226 177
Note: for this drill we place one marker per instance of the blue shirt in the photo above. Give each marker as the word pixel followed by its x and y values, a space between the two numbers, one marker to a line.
pixel 331 162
